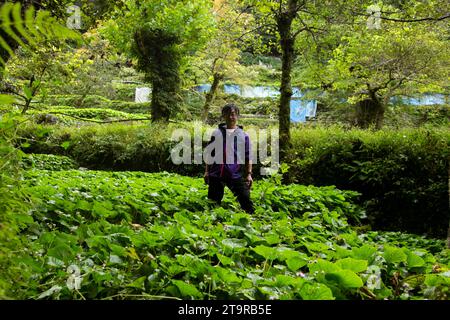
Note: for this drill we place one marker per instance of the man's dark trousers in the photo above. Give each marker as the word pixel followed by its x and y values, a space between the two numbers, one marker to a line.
pixel 237 186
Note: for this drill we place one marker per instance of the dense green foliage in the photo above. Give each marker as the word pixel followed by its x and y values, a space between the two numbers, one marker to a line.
pixel 95 101
pixel 162 36
pixel 90 114
pixel 67 232
pixel 47 162
pixel 402 175
pixel 28 29
pixel 151 236
pixel 395 117
pixel 14 204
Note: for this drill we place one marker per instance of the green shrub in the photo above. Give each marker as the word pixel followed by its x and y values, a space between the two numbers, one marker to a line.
pixel 402 175
pixel 64 114
pixel 94 101
pixel 48 162
pixel 130 107
pixel 74 100
pixel 124 91
pixel 134 235
pixel 15 208
pixel 416 116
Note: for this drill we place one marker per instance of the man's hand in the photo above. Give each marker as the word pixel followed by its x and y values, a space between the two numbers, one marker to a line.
pixel 206 177
pixel 249 180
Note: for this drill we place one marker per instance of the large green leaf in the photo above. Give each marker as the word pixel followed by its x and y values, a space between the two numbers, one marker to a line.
pixel 322 266
pixel 234 243
pixel 394 255
pixel 268 253
pixel 283 280
pixel 352 264
pixel 296 263
pixel 226 275
pixel 187 289
pixel 139 283
pixel 414 260
pixel 434 280
pixel 315 291
pixel 226 261
pixel 365 252
pixel 345 278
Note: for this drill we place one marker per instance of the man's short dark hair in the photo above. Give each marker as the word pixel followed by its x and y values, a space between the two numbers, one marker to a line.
pixel 230 107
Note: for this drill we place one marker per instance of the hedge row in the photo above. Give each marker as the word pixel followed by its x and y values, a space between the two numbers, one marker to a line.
pixel 402 175
pixel 193 103
pixel 95 101
pixel 97 114
pixel 48 162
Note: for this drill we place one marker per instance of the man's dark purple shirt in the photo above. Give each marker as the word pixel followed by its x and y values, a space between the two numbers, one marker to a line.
pixel 231 170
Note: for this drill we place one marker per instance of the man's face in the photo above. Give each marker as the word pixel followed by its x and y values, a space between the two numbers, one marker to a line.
pixel 231 117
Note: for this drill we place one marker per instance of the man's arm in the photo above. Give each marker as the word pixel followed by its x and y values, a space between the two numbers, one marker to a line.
pixel 248 173
pixel 248 167
pixel 206 175
pixel 248 163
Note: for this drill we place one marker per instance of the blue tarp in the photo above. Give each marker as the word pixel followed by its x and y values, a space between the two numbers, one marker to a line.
pixel 425 100
pixel 301 109
pixel 203 88
pixel 259 92
pixel 232 89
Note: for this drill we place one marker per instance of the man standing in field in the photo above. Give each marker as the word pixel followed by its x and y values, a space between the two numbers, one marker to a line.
pixel 230 163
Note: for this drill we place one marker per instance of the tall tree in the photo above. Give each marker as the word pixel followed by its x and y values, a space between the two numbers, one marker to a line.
pixel 290 19
pixel 161 35
pixel 369 61
pixel 293 18
pixel 220 57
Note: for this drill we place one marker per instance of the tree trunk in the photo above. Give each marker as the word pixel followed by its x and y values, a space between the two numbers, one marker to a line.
pixel 164 99
pixel 159 59
pixel 370 112
pixel 287 40
pixel 211 94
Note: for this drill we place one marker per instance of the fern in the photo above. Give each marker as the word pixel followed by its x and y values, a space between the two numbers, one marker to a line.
pixel 31 28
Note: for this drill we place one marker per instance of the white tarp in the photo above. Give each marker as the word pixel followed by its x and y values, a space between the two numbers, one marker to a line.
pixel 142 94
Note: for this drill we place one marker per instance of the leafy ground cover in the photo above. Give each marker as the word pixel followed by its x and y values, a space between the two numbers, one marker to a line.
pixel 67 114
pixel 47 162
pixel 401 174
pixel 134 235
